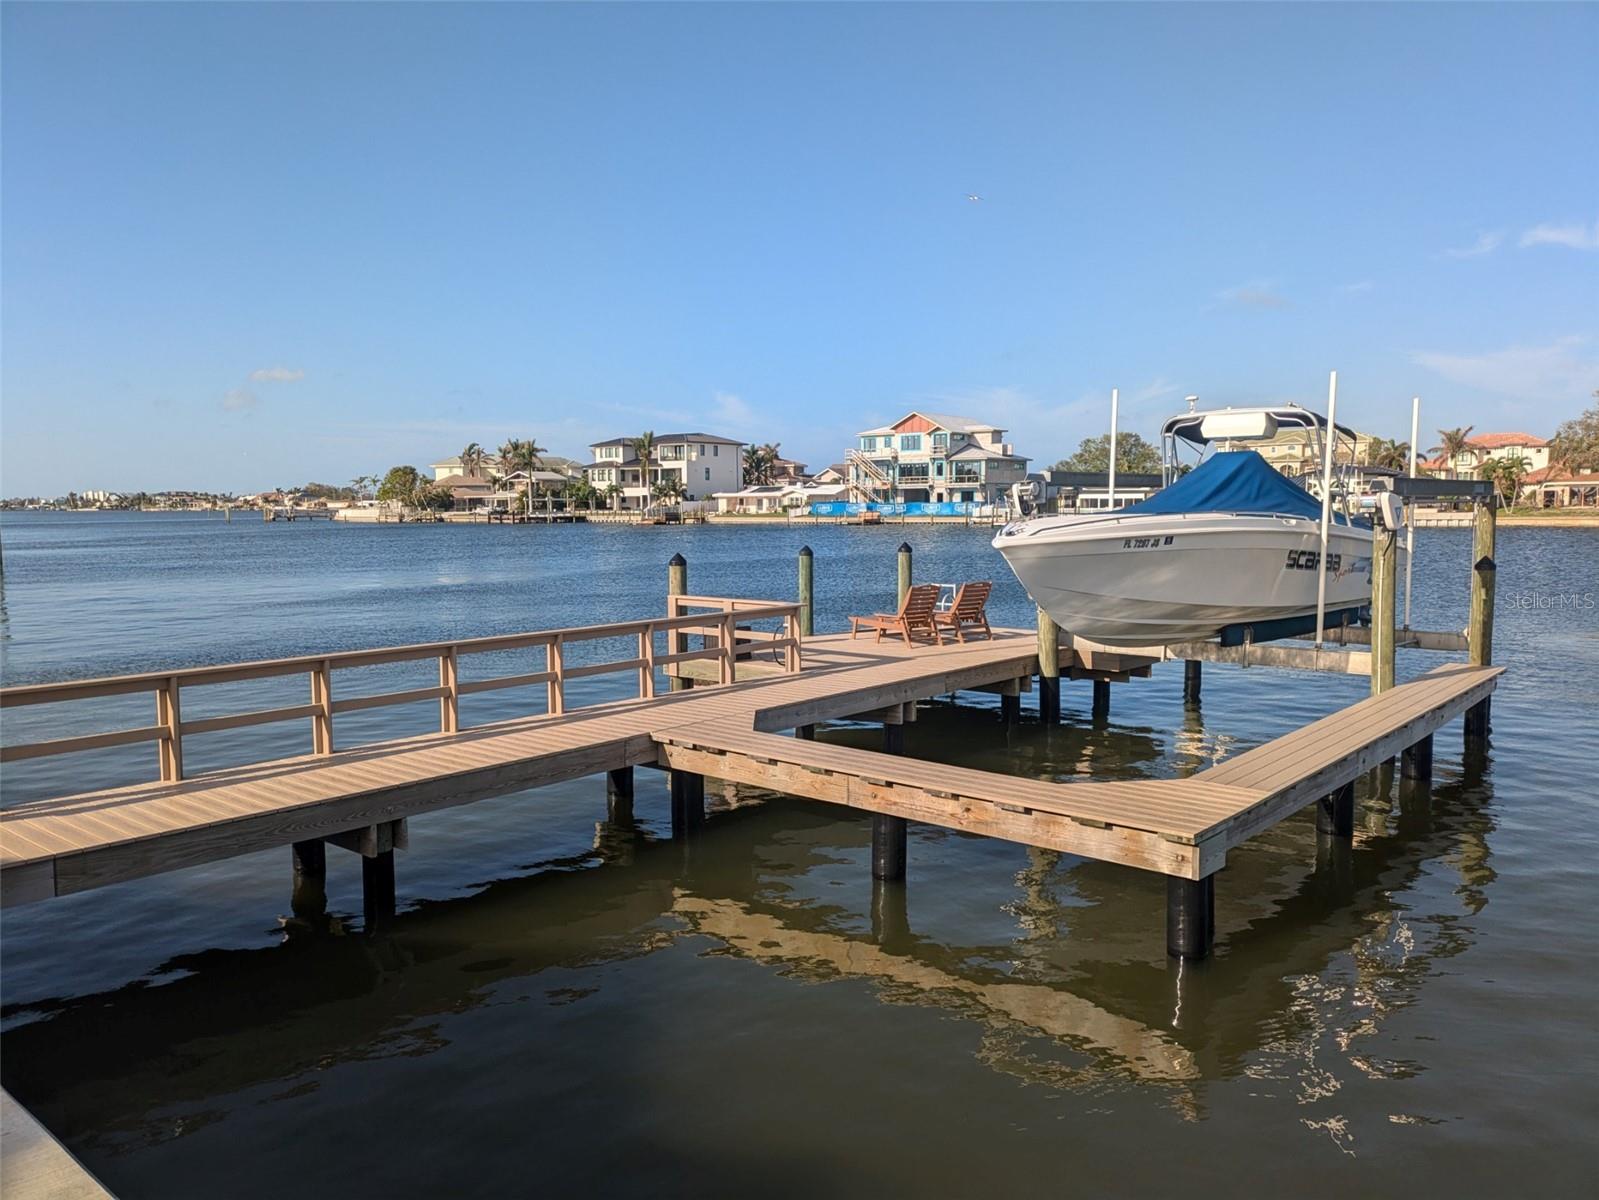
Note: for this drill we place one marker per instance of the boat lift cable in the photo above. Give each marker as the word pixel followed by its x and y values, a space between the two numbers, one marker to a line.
pixel 1326 501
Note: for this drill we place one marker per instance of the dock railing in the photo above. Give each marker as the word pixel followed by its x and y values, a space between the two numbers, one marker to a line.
pixel 725 624
pixel 724 621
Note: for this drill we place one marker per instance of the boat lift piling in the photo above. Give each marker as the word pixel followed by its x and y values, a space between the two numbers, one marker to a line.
pixel 1328 442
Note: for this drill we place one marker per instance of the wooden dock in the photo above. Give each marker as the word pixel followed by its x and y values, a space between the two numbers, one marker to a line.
pixel 764 685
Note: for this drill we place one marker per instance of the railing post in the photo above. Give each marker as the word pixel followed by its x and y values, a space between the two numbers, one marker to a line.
pixel 791 662
pixel 1480 631
pixel 904 573
pixel 729 658
pixel 322 697
pixel 807 592
pixel 555 689
pixel 677 585
pixel 169 715
pixel 450 705
pixel 646 674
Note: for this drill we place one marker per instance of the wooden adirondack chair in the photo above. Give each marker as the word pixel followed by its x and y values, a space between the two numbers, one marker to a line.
pixel 915 614
pixel 968 610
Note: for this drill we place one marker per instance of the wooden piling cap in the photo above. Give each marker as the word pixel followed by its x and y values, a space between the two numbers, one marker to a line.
pixel 805 551
pixel 677 560
pixel 904 547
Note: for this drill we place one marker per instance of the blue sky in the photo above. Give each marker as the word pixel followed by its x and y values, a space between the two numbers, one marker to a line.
pixel 254 245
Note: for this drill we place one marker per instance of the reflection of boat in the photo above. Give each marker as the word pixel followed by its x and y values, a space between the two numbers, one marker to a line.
pixel 1232 542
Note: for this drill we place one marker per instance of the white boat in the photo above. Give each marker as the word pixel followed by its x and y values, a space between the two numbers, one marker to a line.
pixel 1233 543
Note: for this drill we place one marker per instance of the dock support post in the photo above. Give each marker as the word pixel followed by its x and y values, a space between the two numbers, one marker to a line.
pixel 1190 916
pixel 688 801
pixel 805 733
pixel 904 572
pixel 1416 761
pixel 1193 677
pixel 619 794
pixel 1101 697
pixel 1335 812
pixel 677 585
pixel 807 592
pixel 1384 581
pixel 888 833
pixel 310 895
pixel 1480 631
pixel 1048 669
pixel 377 889
pixel 1010 707
pixel 890 922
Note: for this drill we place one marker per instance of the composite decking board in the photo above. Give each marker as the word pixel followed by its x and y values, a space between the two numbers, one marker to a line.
pixel 1333 737
pixel 1347 725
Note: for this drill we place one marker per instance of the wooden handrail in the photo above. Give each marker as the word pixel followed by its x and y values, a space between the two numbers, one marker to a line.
pixel 170 727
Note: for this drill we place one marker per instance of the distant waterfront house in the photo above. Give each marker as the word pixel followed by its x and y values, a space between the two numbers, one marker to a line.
pixel 701 463
pixel 933 457
pixel 837 473
pixel 777 498
pixel 1561 487
pixel 1484 446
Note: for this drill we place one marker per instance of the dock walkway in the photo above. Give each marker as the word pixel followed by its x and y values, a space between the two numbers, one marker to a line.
pixel 1178 827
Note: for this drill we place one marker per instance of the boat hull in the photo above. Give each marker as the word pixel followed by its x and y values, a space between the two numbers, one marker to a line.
pixel 1157 579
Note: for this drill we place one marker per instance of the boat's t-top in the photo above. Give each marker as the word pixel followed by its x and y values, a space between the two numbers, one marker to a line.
pixel 1204 428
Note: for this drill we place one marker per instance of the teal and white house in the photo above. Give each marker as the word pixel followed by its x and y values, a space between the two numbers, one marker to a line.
pixel 933 458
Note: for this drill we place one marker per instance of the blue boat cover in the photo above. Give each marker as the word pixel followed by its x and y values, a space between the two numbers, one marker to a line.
pixel 1238 481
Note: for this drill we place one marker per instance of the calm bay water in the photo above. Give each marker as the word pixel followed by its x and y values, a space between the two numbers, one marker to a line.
pixel 564 1004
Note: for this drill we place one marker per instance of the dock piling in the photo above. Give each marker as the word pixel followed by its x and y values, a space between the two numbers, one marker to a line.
pixel 1193 677
pixel 904 572
pixel 807 592
pixel 1101 698
pixel 1480 632
pixel 377 889
pixel 677 585
pixel 1416 760
pixel 310 894
pixel 889 833
pixel 688 801
pixel 1335 812
pixel 1190 916
pixel 619 794
pixel 1384 579
pixel 1048 669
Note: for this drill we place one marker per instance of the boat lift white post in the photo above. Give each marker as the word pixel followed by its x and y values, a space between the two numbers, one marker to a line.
pixel 1410 509
pixel 1326 502
pixel 1113 399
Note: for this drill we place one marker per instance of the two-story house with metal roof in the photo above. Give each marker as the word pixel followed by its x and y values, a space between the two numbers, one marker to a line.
pixel 934 457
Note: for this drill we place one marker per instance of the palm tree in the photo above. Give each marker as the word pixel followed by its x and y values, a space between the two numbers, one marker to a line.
pixel 612 491
pixel 669 490
pixel 472 459
pixel 1455 443
pixel 644 447
pixel 1387 452
pixel 1507 474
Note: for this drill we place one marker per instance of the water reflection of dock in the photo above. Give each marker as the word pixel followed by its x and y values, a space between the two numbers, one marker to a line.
pixel 1075 973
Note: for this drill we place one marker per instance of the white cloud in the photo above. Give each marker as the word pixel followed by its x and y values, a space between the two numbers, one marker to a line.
pixel 1352 289
pixel 1575 237
pixel 1565 369
pixel 1257 294
pixel 1048 430
pixel 1486 243
pixel 239 400
pixel 277 375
